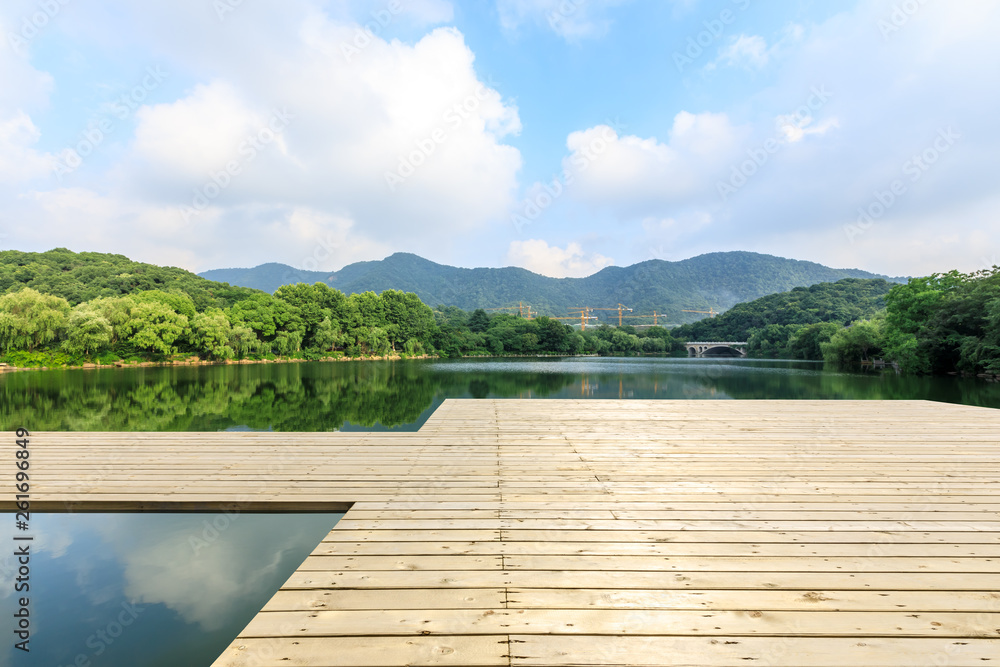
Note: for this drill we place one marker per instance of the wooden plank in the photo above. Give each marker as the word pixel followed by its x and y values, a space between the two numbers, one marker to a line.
pixel 367 651
pixel 791 651
pixel 428 598
pixel 805 581
pixel 756 599
pixel 621 622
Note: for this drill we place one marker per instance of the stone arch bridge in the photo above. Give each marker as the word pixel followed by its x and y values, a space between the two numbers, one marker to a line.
pixel 717 349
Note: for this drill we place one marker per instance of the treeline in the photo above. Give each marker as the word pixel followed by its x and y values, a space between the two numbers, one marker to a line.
pixel 298 320
pixel 947 322
pixel 304 321
pixel 841 302
pixel 479 333
pixel 794 324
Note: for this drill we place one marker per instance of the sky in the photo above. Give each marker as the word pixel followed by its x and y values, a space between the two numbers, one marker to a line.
pixel 562 136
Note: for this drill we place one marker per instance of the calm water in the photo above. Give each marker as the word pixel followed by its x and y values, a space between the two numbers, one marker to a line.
pixel 90 570
pixel 365 395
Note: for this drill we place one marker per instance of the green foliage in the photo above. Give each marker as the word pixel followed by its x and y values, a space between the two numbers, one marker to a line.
pixel 47 358
pixel 327 335
pixel 89 331
pixel 210 334
pixel 244 341
pixel 153 327
pixel 807 342
pixel 29 319
pixel 842 302
pixel 771 341
pixel 945 322
pixel 859 342
pixel 177 301
pixel 79 277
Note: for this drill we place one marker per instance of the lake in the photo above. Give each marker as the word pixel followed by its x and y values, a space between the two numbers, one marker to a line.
pixel 185 590
pixel 328 396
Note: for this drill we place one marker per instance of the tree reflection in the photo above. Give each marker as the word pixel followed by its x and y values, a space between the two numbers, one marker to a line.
pixel 328 396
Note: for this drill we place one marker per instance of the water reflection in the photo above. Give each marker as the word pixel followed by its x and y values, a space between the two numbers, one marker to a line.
pixel 376 395
pixel 156 590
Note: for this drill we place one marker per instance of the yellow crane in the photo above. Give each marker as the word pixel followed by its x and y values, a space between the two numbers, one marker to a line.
pixel 582 314
pixel 655 317
pixel 621 309
pixel 711 312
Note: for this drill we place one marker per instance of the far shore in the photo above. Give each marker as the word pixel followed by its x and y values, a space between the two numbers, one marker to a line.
pixel 195 361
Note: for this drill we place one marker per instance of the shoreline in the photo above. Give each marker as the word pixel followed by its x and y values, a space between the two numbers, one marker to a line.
pixel 195 361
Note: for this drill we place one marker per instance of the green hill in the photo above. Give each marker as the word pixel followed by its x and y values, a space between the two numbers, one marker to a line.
pixel 83 276
pixel 716 280
pixel 842 302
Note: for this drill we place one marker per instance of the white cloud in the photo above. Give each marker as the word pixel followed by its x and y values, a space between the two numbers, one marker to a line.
pixel 748 51
pixel 569 262
pixel 570 19
pixel 795 128
pixel 640 177
pixel 359 112
pixel 204 569
pixel 18 160
pixel 381 113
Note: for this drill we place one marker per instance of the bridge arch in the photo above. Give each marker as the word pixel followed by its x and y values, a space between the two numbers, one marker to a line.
pixel 717 349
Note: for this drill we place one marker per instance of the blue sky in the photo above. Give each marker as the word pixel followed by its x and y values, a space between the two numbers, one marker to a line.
pixel 558 135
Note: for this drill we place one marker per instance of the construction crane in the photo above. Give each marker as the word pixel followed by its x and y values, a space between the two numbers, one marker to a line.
pixel 583 315
pixel 711 312
pixel 620 310
pixel 634 317
pixel 520 308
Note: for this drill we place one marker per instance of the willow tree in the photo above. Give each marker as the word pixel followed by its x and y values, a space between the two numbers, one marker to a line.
pixel 29 320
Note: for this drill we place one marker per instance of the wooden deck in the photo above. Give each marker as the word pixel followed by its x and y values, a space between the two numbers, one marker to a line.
pixel 509 532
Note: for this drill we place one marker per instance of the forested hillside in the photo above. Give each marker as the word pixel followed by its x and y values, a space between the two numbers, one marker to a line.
pixel 716 280
pixel 83 276
pixel 943 323
pixel 841 302
pixel 65 308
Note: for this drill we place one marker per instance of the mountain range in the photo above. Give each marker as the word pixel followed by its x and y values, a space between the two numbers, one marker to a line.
pixel 715 281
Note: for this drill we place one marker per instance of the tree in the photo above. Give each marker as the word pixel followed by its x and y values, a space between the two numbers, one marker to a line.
pixel 771 341
pixel 855 343
pixel 210 333
pixel 373 340
pixel 313 303
pixel 88 331
pixel 624 342
pixel 243 341
pixel 29 319
pixel 286 342
pixel 327 336
pixel 915 334
pixel 266 316
pixel 178 301
pixel 116 310
pixel 553 335
pixel 154 327
pixel 479 321
pixel 413 347
pixel 807 342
